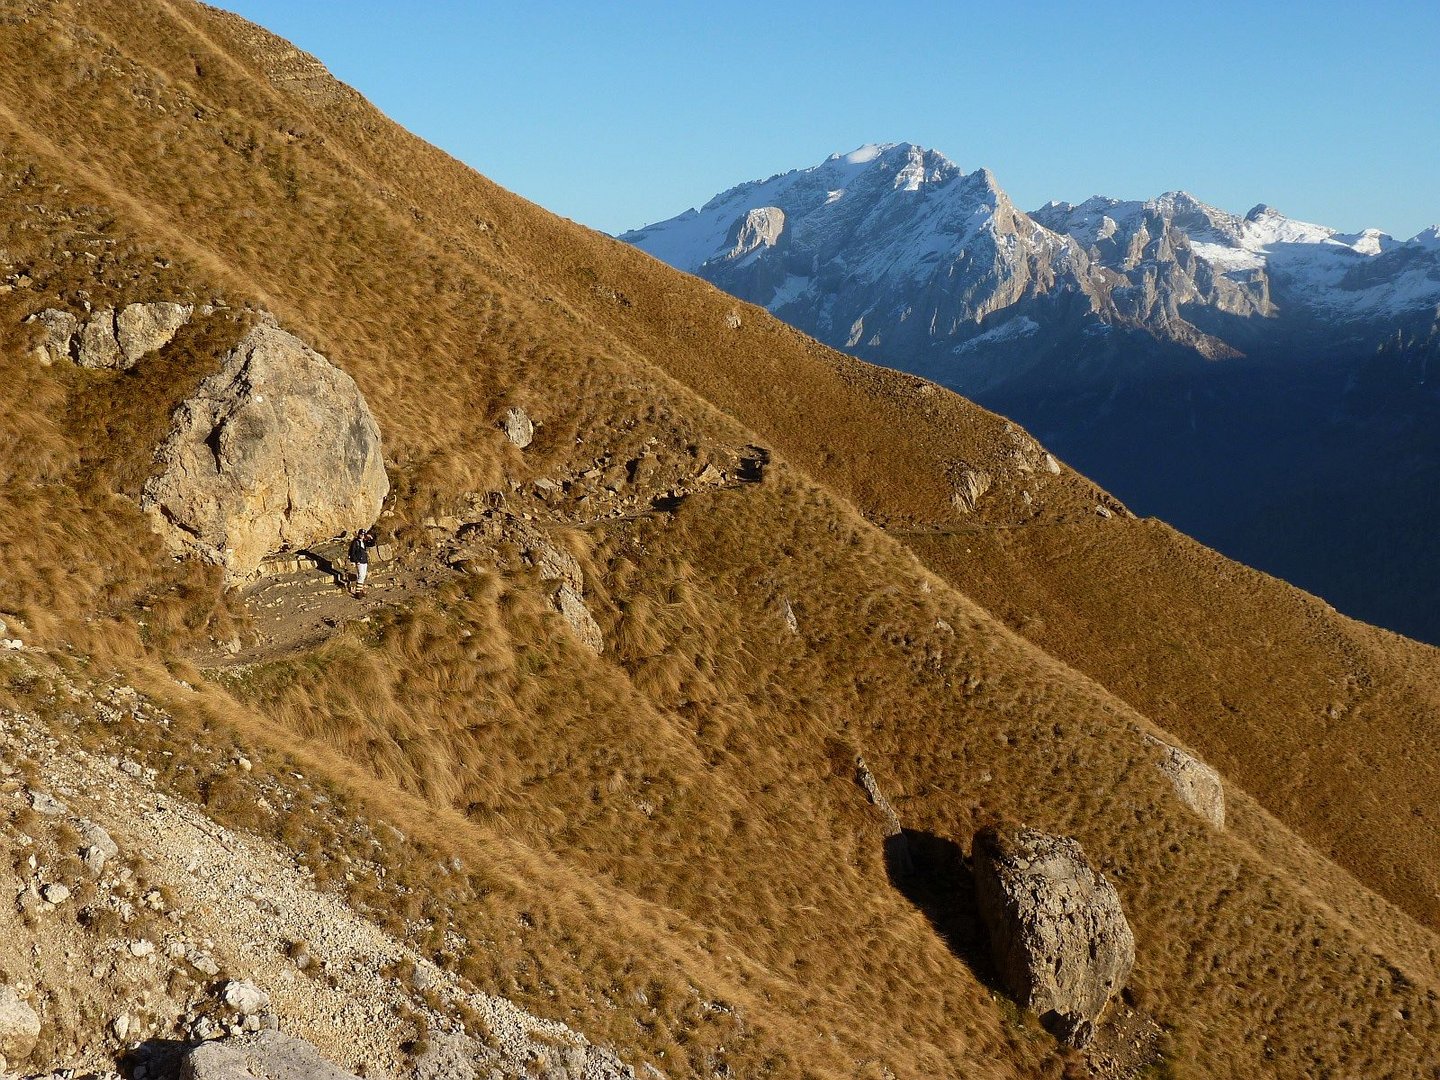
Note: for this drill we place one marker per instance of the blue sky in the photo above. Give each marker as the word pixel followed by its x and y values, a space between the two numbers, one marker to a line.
pixel 617 115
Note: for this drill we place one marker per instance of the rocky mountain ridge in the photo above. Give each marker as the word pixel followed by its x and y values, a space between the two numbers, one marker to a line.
pixel 861 245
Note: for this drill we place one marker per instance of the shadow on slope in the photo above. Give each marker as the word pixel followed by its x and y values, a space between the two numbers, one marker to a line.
pixel 932 873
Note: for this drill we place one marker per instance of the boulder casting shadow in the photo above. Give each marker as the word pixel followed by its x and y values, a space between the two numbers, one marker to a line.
pixel 932 873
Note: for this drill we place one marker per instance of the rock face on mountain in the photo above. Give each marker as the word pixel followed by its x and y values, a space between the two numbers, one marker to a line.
pixel 892 251
pixel 1058 937
pixel 276 451
pixel 1237 354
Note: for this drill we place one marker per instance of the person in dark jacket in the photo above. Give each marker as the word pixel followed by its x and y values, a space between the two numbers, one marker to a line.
pixel 360 556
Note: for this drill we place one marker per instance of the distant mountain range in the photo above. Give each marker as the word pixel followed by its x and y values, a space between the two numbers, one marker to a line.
pixel 1261 382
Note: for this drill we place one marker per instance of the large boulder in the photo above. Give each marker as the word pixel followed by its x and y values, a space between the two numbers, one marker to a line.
pixel 274 453
pixel 1196 784
pixel 1058 937
pixel 267 1055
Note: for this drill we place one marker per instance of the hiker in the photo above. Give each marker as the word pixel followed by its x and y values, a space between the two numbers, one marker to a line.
pixel 360 556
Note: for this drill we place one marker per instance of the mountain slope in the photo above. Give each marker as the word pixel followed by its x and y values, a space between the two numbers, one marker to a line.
pixel 663 844
pixel 1240 352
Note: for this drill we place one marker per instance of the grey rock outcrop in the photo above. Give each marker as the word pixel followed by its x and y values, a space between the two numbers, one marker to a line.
pixel 1058 937
pixel 59 328
pixel 19 1026
pixel 557 567
pixel 1196 784
pixel 787 612
pixel 970 486
pixel 518 426
pixel 275 452
pixel 867 780
pixel 141 329
pixel 97 347
pixel 267 1055
pixel 108 340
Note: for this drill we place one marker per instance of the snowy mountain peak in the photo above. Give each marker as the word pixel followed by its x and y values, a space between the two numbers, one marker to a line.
pixel 843 248
pixel 845 195
pixel 1428 238
pixel 1180 200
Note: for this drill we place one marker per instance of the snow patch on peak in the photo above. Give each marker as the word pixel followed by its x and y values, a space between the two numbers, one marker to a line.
pixel 1181 200
pixel 863 155
pixel 1367 241
pixel 1018 327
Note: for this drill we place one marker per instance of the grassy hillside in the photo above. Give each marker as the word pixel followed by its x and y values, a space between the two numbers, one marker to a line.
pixel 665 844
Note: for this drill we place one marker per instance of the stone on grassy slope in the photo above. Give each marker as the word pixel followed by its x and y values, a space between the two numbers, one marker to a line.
pixel 571 606
pixel 59 328
pixel 275 452
pixel 1196 784
pixel 268 1055
pixel 19 1026
pixel 1058 937
pixel 518 426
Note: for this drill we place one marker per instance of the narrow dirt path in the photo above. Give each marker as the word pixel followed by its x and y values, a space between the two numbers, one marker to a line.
pixel 294 612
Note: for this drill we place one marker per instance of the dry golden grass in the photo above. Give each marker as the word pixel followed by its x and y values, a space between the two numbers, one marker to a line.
pixel 666 845
pixel 1323 719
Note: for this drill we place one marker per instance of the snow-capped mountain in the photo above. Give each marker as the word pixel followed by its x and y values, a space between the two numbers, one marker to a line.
pixel 1250 378
pixel 895 253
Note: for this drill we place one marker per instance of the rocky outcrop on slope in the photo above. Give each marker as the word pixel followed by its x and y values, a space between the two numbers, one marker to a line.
pixel 518 426
pixel 268 1055
pixel 1058 937
pixel 109 339
pixel 58 330
pixel 481 532
pixel 276 451
pixel 1196 784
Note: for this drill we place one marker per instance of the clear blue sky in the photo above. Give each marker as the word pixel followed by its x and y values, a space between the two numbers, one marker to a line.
pixel 619 114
